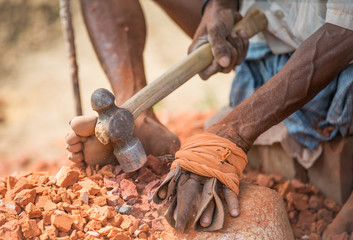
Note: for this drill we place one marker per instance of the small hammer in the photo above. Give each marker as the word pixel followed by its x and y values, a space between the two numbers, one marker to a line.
pixel 116 124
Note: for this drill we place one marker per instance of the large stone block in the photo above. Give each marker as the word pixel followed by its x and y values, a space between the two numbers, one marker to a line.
pixel 262 216
pixel 332 173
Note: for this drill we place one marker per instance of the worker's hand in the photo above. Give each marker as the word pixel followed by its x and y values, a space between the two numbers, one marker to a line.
pixel 229 48
pixel 187 187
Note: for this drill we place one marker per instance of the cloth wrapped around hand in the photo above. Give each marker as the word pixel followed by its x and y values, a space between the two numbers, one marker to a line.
pixel 209 155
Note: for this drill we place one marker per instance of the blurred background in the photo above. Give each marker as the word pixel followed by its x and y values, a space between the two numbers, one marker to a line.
pixel 36 96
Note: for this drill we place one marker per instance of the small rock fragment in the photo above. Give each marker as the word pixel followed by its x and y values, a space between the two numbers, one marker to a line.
pixel 265 180
pixel 11 230
pixel 128 189
pixel 125 209
pixel 62 221
pixel 25 196
pixel 30 228
pixel 33 211
pixel 66 177
pixel 157 225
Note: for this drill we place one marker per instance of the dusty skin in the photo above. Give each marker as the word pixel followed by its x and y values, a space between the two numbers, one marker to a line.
pixel 343 222
pixel 84 146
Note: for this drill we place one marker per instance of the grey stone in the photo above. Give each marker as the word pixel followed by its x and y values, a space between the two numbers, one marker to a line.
pixel 125 209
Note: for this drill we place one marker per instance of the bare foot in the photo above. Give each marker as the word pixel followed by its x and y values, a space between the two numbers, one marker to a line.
pixel 156 139
pixel 84 146
pixel 343 222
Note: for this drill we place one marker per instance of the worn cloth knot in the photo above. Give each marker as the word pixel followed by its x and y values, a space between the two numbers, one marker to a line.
pixel 209 155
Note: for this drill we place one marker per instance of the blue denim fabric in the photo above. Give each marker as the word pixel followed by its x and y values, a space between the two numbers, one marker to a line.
pixel 332 107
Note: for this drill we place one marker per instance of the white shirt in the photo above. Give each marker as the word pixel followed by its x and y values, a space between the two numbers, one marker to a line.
pixel 293 21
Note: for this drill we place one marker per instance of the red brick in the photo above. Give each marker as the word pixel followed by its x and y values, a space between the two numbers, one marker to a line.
pixel 25 196
pixel 11 230
pixel 128 189
pixel 30 228
pixel 90 186
pixel 66 177
pixel 62 221
pixel 33 211
pixel 299 200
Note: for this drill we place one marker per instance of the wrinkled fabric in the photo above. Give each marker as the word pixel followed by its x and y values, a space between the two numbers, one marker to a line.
pixel 291 22
pixel 209 155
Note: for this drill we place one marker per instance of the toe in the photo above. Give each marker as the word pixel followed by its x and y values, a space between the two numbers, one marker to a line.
pixel 207 215
pixel 232 201
pixel 76 157
pixel 78 147
pixel 71 138
pixel 84 125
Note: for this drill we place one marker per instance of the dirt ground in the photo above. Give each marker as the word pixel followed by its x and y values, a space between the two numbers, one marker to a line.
pixel 36 100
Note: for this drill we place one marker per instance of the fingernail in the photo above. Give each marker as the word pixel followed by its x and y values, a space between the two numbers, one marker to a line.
pixel 224 61
pixel 69 156
pixel 243 34
pixel 67 146
pixel 234 212
pixel 205 220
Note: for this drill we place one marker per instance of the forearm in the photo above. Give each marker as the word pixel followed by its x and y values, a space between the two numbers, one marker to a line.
pixel 117 31
pixel 312 67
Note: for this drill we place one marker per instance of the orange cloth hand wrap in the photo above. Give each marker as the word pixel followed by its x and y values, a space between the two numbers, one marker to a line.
pixel 209 155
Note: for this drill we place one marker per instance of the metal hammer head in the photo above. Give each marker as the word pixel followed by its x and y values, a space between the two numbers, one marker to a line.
pixel 117 124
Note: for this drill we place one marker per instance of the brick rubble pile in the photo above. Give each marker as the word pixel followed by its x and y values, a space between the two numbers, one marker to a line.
pixel 82 203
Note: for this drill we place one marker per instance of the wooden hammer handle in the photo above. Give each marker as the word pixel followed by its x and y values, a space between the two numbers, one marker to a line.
pixel 254 22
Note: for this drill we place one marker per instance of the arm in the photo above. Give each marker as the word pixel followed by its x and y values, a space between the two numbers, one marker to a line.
pixel 310 69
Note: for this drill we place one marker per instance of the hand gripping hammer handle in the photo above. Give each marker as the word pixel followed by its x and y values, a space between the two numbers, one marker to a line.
pixel 254 22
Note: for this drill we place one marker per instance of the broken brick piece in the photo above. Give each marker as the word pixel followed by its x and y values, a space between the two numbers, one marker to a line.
pixel 51 231
pixel 10 207
pixel 78 222
pixel 265 180
pixel 105 231
pixel 331 205
pixel 299 200
pixel 66 177
pixel 29 228
pixel 116 220
pixel 157 225
pixel 62 221
pixel 25 197
pixel 101 213
pixel 90 186
pixel 127 222
pixel 21 185
pixel 285 188
pixel 100 201
pixel 2 219
pixel 128 189
pixel 93 225
pixel 121 236
pixel 33 211
pixel 316 202
pixel 11 182
pixel 2 189
pixel 11 230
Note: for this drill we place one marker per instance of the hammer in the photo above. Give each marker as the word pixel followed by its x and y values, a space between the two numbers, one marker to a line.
pixel 115 124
